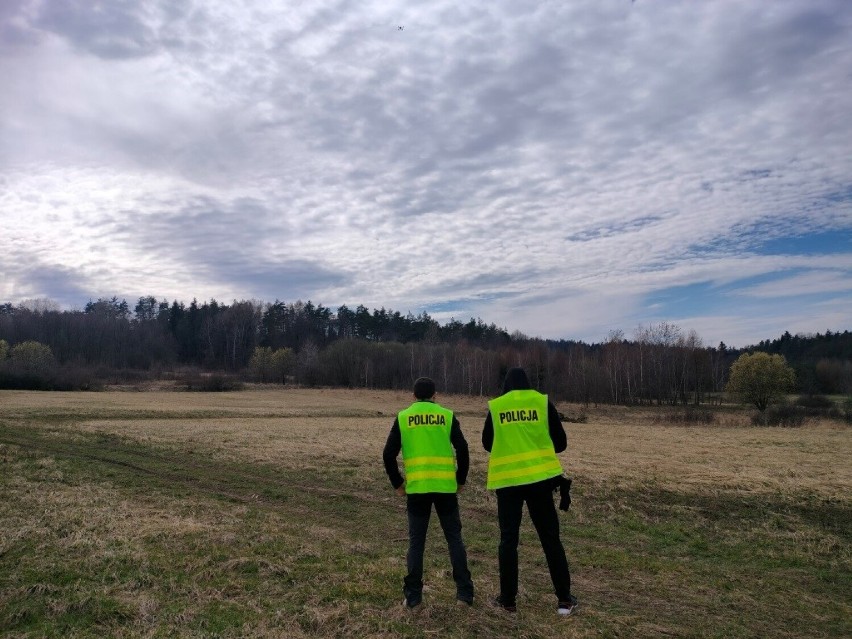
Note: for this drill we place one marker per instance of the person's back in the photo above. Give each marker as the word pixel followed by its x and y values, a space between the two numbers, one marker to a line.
pixel 426 434
pixel 523 433
pixel 522 451
pixel 427 452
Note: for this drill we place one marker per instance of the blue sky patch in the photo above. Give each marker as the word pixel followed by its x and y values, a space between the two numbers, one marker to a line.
pixel 822 243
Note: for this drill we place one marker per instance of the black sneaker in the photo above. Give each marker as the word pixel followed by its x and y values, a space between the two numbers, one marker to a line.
pixel 508 607
pixel 411 606
pixel 566 608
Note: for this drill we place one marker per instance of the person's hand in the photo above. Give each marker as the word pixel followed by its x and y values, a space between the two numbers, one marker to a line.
pixel 460 488
pixel 401 490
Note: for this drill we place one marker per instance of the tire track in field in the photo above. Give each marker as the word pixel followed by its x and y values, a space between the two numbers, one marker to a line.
pixel 176 469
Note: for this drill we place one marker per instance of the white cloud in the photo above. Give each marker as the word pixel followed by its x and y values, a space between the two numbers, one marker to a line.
pixel 811 283
pixel 545 168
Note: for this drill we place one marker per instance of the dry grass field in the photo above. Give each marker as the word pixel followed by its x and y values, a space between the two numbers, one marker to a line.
pixel 266 513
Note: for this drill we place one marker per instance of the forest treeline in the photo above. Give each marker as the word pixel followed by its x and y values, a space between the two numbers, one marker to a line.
pixel 312 344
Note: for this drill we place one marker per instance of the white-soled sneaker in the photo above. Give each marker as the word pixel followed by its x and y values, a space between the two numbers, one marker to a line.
pixel 567 608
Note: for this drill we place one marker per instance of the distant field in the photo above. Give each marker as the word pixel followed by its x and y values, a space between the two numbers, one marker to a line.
pixel 266 513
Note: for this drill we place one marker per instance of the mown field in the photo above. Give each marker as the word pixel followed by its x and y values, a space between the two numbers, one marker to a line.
pixel 267 513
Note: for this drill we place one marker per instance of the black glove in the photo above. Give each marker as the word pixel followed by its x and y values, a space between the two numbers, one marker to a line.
pixel 564 493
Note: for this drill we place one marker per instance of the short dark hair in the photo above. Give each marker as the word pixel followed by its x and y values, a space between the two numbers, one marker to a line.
pixel 424 388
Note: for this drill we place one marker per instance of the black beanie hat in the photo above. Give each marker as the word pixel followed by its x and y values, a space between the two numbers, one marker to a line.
pixel 424 388
pixel 516 379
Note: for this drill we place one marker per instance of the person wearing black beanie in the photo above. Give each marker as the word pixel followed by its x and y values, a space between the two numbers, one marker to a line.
pixel 523 434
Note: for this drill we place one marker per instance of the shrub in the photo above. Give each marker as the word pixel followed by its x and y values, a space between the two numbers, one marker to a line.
pixel 822 406
pixel 693 415
pixel 113 376
pixel 11 378
pixel 29 366
pixel 780 415
pixel 760 378
pixel 31 357
pixel 815 401
pixel 211 383
pixel 76 378
pixel 59 378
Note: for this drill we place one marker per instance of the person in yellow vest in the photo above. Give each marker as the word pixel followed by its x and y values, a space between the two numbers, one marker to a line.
pixel 427 433
pixel 523 433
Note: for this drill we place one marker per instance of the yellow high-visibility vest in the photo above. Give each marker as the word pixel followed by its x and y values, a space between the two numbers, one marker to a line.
pixel 427 453
pixel 522 452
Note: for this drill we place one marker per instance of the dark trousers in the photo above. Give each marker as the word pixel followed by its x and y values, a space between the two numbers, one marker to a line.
pixel 539 500
pixel 419 511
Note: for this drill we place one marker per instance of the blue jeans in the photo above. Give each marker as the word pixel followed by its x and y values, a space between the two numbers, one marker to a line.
pixel 419 510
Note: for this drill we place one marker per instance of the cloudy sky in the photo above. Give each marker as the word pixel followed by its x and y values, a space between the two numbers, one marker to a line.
pixel 559 168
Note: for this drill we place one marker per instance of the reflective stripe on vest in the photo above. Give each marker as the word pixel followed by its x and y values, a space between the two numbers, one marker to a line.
pixel 522 452
pixel 427 453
